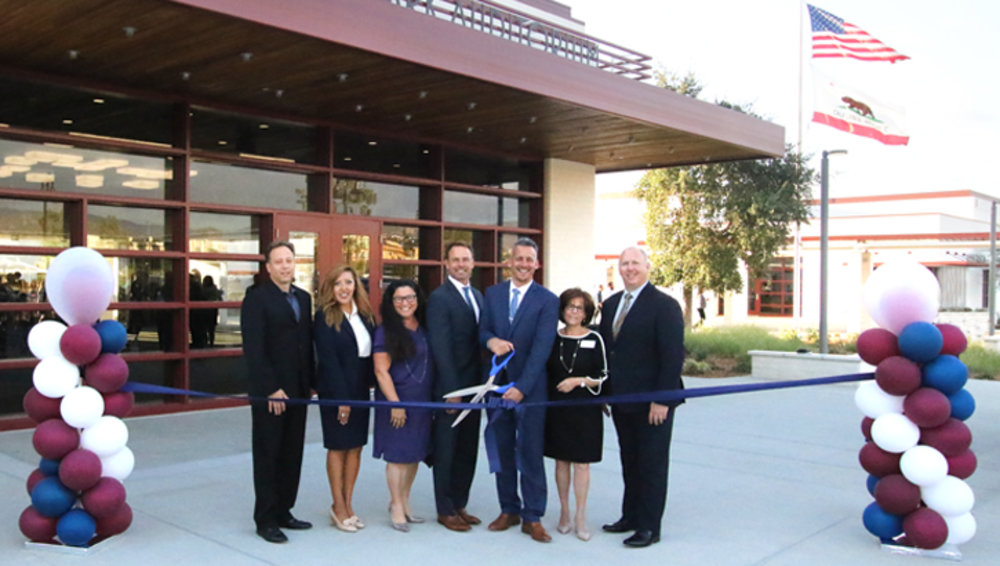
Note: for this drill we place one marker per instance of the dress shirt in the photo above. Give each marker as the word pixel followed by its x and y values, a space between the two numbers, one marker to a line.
pixel 635 295
pixel 520 298
pixel 471 297
pixel 361 335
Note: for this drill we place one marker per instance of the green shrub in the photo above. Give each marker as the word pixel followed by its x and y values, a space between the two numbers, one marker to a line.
pixel 735 341
pixel 983 363
pixel 695 367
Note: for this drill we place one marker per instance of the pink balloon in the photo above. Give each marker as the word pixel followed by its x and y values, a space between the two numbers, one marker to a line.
pixel 79 285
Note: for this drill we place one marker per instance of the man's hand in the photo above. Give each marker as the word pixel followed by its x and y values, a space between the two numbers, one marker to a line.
pixel 513 394
pixel 276 407
pixel 499 346
pixel 452 400
pixel 658 413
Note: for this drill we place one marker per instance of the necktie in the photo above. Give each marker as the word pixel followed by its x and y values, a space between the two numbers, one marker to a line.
pixel 468 300
pixel 513 304
pixel 621 315
pixel 294 303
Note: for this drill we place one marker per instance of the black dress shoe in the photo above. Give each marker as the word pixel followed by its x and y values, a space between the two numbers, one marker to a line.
pixel 295 524
pixel 642 539
pixel 271 534
pixel 619 526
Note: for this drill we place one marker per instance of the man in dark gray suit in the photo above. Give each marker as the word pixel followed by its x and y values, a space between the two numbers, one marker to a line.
pixel 643 330
pixel 453 325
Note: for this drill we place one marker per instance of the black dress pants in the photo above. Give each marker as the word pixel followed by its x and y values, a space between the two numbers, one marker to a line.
pixel 455 453
pixel 277 442
pixel 645 457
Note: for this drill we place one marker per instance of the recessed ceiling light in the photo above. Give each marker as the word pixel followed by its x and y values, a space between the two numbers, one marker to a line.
pixel 426 151
pixel 185 75
pixel 372 142
pixel 524 139
pixel 129 31
pixel 469 129
pixel 359 107
pixel 533 119
pixel 422 95
pixel 407 117
pixel 67 121
pixel 347 158
pixel 395 165
pixel 263 126
pixel 73 53
pixel 342 77
pixel 246 56
pixel 471 106
pixel 279 93
pixel 98 101
pixel 222 142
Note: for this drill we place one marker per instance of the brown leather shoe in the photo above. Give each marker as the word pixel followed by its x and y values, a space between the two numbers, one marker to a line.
pixel 453 523
pixel 504 522
pixel 537 531
pixel 470 519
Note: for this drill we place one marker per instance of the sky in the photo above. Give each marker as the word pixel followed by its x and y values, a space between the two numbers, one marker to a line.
pixel 747 52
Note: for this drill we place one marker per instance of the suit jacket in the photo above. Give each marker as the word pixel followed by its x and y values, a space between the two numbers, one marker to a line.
pixel 454 339
pixel 532 332
pixel 649 352
pixel 277 348
pixel 338 373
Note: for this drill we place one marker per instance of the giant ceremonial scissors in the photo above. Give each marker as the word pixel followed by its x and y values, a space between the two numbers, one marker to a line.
pixel 480 391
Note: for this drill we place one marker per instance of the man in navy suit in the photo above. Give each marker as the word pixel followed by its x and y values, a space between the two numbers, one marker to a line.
pixel 276 323
pixel 643 329
pixel 520 315
pixel 453 325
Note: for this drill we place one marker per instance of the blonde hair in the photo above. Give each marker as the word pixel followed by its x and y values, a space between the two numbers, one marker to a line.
pixel 328 301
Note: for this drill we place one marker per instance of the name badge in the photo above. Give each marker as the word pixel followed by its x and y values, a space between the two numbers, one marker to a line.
pixel 588 344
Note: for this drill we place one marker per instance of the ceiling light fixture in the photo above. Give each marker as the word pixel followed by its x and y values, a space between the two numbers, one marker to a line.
pixel 129 31
pixel 359 107
pixel 246 56
pixel 342 77
pixel 422 95
pixel 98 101
pixel 185 75
pixel 471 106
pixel 73 54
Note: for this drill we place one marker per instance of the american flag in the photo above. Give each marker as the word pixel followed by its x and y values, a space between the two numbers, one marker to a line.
pixel 833 37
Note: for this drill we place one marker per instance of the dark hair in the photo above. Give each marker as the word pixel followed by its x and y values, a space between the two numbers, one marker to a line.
pixel 278 244
pixel 574 293
pixel 526 242
pixel 447 250
pixel 398 342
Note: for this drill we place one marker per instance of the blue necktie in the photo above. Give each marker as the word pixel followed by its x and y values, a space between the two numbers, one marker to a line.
pixel 513 304
pixel 293 302
pixel 468 299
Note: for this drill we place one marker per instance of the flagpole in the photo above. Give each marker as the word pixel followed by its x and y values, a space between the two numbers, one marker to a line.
pixel 797 260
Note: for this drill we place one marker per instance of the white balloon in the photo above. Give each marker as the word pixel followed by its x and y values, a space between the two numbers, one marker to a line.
pixel 901 292
pixel 79 285
pixel 43 339
pixel 895 433
pixel 874 402
pixel 961 529
pixel 105 437
pixel 950 497
pixel 118 465
pixel 923 465
pixel 54 377
pixel 82 407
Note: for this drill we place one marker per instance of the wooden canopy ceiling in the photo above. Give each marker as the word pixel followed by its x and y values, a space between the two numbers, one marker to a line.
pixel 371 65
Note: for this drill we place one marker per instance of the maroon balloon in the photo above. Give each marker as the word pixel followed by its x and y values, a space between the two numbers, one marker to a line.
pixel 104 499
pixel 866 428
pixel 955 341
pixel 878 462
pixel 925 528
pixel 34 477
pixel 963 465
pixel 116 523
pixel 951 439
pixel 107 374
pixel 119 404
pixel 53 439
pixel 80 344
pixel 877 344
pixel 39 407
pixel 927 407
pixel 897 375
pixel 80 469
pixel 894 494
pixel 37 527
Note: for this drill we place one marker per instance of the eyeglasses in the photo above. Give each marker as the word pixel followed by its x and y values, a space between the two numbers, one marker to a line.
pixel 404 299
pixel 576 308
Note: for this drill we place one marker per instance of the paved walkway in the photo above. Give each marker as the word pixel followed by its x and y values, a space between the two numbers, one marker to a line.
pixel 767 478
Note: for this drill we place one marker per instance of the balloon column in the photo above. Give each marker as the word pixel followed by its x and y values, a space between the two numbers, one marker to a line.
pixel 917 451
pixel 76 493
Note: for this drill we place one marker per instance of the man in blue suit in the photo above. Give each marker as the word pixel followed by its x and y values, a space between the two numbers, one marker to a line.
pixel 644 333
pixel 453 325
pixel 520 315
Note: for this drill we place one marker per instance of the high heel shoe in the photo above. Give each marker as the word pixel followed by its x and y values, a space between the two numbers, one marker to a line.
pixel 345 526
pixel 414 518
pixel 564 529
pixel 401 527
pixel 583 534
pixel 356 521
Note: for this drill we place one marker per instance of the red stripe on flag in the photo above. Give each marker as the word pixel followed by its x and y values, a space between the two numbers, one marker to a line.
pixel 859 130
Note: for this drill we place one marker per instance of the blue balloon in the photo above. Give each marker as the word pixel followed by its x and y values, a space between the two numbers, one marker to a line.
pixel 881 524
pixel 113 336
pixel 920 341
pixel 76 528
pixel 51 498
pixel 962 404
pixel 872 481
pixel 49 467
pixel 946 373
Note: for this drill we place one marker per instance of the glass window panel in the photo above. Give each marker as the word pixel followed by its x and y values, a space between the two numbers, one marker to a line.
pixel 64 168
pixel 215 328
pixel 487 171
pixel 149 330
pixel 64 109
pixel 14 328
pixel 222 280
pixel 376 154
pixel 370 198
pixel 400 242
pixel 254 137
pixel 468 208
pixel 224 233
pixel 140 279
pixel 222 376
pixel 15 383
pixel 245 186
pixel 392 273
pixel 306 251
pixel 477 240
pixel 22 278
pixel 33 223
pixel 357 253
pixel 152 373
pixel 127 228
pixel 515 212
pixel 507 242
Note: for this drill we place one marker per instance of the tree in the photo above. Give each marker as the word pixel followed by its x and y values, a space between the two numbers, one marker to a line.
pixel 703 220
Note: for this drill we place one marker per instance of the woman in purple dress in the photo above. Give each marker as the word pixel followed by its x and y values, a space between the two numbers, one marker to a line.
pixel 404 371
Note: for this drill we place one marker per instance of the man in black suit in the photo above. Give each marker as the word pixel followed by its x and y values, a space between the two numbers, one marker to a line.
pixel 276 322
pixel 643 329
pixel 453 325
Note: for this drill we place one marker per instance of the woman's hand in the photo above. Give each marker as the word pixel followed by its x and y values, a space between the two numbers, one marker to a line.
pixel 343 414
pixel 571 383
pixel 398 418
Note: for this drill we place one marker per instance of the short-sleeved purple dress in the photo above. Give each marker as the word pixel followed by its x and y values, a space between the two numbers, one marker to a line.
pixel 412 378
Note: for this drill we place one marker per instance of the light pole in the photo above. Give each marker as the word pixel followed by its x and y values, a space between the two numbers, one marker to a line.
pixel 824 244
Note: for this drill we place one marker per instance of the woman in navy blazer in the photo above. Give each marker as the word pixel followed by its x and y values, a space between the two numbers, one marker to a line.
pixel 344 325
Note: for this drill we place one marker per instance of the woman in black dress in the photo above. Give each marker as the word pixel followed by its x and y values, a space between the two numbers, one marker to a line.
pixel 344 325
pixel 574 436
